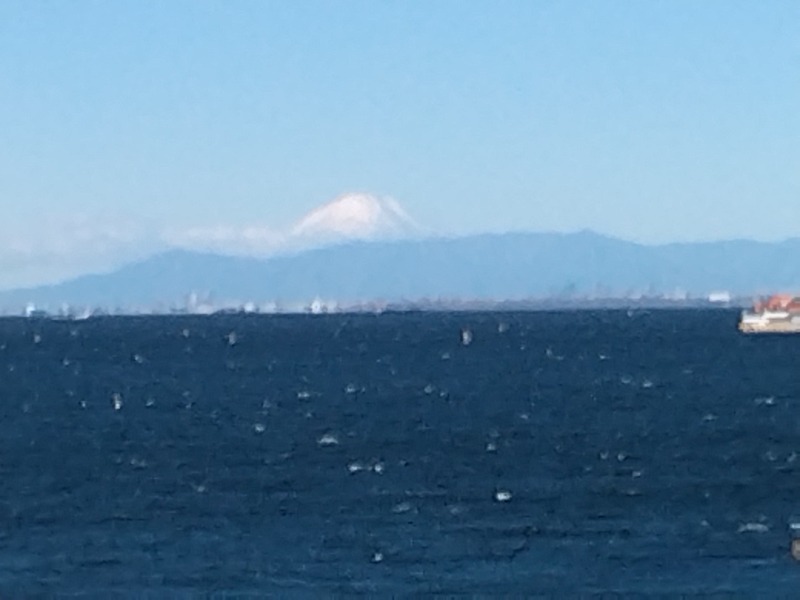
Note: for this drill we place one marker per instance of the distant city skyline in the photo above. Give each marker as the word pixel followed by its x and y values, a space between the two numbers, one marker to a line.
pixel 127 127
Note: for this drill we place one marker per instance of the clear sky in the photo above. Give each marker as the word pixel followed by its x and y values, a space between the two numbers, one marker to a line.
pixel 649 120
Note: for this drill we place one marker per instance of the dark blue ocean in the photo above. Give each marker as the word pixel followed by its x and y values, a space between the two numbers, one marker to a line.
pixel 556 453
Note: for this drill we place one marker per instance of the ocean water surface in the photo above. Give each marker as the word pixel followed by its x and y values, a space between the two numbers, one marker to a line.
pixel 551 453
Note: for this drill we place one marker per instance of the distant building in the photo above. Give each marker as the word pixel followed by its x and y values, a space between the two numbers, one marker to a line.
pixel 677 295
pixel 32 311
pixel 719 297
pixel 319 307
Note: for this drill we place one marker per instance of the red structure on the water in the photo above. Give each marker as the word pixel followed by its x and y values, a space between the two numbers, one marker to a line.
pixel 778 302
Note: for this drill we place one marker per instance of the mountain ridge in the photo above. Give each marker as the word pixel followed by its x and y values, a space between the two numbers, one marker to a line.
pixel 488 266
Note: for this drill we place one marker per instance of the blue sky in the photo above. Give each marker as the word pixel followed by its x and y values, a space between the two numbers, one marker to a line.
pixel 653 121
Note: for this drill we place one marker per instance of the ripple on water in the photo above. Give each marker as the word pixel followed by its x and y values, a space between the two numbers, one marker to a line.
pixel 328 439
pixel 503 496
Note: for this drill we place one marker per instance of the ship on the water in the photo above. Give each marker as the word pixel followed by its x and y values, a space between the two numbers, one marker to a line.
pixel 777 314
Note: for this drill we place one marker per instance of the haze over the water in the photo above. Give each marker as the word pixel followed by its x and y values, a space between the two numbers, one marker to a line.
pixel 130 127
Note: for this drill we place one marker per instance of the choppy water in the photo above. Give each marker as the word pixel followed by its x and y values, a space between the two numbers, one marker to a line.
pixel 549 453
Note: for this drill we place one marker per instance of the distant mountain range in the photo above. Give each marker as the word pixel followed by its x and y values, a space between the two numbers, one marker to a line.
pixel 509 266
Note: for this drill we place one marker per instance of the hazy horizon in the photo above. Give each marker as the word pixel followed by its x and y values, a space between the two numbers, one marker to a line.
pixel 265 244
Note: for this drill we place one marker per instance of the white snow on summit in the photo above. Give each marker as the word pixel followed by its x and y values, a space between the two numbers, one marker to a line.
pixel 355 216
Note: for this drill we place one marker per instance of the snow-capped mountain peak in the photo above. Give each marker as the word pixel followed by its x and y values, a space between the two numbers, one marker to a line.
pixel 356 216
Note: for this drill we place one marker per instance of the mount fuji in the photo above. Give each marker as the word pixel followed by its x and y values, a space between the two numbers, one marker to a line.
pixel 355 216
pixel 350 217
